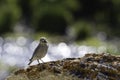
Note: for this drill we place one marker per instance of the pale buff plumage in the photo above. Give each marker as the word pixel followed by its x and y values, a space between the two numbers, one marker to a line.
pixel 40 51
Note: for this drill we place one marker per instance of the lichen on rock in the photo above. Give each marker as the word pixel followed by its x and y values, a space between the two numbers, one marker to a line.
pixel 92 66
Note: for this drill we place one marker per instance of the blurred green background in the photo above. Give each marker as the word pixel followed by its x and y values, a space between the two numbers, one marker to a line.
pixel 56 16
pixel 91 24
pixel 62 20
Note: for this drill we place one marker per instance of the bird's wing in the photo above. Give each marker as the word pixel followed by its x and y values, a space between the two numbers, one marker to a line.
pixel 35 51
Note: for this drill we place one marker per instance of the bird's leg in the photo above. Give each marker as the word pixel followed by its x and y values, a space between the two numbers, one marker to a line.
pixel 42 60
pixel 39 64
pixel 38 61
pixel 42 65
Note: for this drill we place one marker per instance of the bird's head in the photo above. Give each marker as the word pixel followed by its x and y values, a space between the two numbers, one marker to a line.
pixel 43 40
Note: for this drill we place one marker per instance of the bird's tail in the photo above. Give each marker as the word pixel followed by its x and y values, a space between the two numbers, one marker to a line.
pixel 30 62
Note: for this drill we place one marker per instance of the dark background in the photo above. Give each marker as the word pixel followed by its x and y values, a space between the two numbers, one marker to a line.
pixel 88 17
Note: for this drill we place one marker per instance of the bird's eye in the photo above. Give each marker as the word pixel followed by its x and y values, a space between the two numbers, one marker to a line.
pixel 43 40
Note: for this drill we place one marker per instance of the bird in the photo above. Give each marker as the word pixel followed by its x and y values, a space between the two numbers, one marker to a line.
pixel 40 51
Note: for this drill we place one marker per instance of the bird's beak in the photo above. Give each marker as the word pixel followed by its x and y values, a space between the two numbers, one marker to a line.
pixel 45 41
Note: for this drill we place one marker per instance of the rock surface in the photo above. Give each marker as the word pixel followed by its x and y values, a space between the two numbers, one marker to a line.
pixel 90 67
